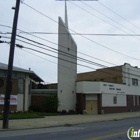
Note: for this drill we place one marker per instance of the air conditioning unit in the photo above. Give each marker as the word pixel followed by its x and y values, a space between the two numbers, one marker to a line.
pixel 102 111
pixel 84 111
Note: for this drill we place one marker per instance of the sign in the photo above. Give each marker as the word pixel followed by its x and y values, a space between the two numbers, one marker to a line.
pixel 114 87
pixel 13 99
pixel 132 133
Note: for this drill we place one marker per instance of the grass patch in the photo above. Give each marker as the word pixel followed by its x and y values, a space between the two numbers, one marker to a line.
pixel 28 115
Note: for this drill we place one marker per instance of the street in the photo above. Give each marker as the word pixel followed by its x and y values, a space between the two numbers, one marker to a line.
pixel 109 130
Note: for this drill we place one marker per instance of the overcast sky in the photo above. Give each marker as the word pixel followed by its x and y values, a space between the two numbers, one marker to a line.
pixel 88 17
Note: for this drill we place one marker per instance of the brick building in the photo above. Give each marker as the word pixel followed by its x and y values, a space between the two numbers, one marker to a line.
pixel 111 74
pixel 109 90
pixel 21 85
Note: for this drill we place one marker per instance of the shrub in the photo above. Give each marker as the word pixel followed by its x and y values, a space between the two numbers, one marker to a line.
pixel 51 103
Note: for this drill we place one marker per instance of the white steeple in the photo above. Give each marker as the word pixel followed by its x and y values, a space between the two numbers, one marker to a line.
pixel 66 16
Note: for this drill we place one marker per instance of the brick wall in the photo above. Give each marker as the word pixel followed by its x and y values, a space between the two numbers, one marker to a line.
pixel 50 86
pixel 80 103
pixel 14 92
pixel 113 75
pixel 12 108
pixel 37 102
pixel 14 86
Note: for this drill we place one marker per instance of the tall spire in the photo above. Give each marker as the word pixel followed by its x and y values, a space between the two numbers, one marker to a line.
pixel 66 16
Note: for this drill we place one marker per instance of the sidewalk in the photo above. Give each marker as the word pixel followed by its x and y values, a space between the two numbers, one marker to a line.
pixel 52 121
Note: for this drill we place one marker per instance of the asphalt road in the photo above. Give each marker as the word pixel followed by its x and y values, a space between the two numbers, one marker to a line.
pixel 109 130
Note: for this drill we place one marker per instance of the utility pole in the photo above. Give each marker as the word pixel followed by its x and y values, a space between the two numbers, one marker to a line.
pixel 10 68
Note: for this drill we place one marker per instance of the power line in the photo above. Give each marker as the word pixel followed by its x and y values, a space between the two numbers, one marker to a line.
pixel 83 36
pixel 102 70
pixel 66 54
pixel 118 15
pixel 63 53
pixel 79 52
pixel 6 26
pixel 66 47
pixel 49 47
pixel 21 46
pixel 57 51
pixel 89 75
pixel 104 20
pixel 75 34
pixel 108 17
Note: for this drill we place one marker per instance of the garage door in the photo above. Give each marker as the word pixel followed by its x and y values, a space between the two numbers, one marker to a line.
pixel 91 107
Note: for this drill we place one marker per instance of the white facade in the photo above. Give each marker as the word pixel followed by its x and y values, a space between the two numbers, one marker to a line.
pixel 24 99
pixel 109 91
pixel 21 91
pixel 20 102
pixel 27 95
pixel 130 73
pixel 91 97
pixel 107 100
pixel 86 87
pixel 67 69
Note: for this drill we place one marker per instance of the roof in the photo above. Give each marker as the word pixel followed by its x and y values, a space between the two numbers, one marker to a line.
pixel 100 69
pixel 31 73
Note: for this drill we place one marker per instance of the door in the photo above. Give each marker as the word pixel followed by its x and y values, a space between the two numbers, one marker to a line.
pixel 91 107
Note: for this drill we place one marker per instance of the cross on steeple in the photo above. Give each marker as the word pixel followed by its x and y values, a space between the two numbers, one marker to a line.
pixel 66 16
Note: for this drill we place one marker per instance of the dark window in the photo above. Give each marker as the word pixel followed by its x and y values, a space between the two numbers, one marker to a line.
pixel 115 79
pixel 101 79
pixel 115 99
pixel 134 82
pixel 1 83
pixel 20 86
pixel 2 73
pixel 14 74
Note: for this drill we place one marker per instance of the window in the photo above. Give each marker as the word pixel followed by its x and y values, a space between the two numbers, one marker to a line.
pixel 134 82
pixel 2 73
pixel 20 86
pixel 1 83
pixel 115 79
pixel 101 79
pixel 21 75
pixel 115 99
pixel 14 74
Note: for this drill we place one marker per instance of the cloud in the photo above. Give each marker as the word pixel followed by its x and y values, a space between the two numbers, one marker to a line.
pixel 79 21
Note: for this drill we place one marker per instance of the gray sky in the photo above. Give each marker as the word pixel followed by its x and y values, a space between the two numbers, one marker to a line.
pixel 94 19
